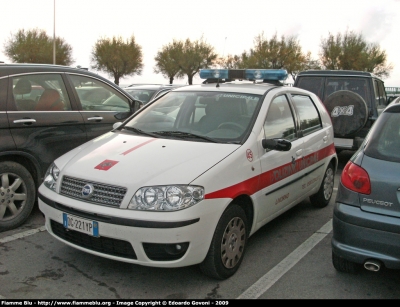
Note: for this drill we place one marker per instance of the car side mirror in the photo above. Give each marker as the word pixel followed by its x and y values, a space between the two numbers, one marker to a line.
pixel 116 125
pixel 276 144
pixel 135 105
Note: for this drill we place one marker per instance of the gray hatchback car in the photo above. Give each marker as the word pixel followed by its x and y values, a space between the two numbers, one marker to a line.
pixel 366 219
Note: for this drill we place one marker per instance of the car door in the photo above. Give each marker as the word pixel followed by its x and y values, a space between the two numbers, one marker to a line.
pixel 315 141
pixel 42 121
pixel 281 170
pixel 100 104
pixel 7 142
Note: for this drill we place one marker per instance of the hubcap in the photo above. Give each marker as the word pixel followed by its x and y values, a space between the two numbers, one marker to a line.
pixel 233 242
pixel 328 183
pixel 13 194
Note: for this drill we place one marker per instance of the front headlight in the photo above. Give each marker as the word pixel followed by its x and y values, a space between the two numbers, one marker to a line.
pixel 166 198
pixel 50 179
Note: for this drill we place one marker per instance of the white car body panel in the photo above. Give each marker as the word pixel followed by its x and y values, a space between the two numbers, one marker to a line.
pixel 270 181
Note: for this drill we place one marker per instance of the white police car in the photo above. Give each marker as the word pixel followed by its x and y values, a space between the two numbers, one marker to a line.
pixel 189 177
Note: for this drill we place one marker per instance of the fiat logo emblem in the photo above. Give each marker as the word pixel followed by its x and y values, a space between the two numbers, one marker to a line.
pixel 87 190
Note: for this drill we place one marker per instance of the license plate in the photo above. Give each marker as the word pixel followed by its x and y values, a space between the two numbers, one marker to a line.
pixel 82 225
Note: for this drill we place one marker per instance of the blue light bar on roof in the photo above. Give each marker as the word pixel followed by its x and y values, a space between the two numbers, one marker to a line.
pixel 214 73
pixel 244 74
pixel 266 74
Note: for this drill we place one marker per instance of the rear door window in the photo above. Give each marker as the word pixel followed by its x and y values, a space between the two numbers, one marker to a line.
pixel 40 92
pixel 380 95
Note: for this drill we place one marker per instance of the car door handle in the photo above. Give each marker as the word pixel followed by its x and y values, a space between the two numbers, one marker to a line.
pixel 299 152
pixel 24 121
pixel 325 139
pixel 95 118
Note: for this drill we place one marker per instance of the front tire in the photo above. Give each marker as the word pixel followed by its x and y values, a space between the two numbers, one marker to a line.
pixel 323 196
pixel 17 195
pixel 228 244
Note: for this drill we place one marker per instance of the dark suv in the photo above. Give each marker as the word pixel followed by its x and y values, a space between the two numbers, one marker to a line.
pixel 45 111
pixel 354 99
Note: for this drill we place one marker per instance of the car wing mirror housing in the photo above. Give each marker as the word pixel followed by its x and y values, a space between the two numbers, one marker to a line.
pixel 276 144
pixel 135 105
pixel 116 125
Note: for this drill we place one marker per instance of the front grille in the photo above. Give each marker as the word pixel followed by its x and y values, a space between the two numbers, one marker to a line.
pixel 103 245
pixel 103 194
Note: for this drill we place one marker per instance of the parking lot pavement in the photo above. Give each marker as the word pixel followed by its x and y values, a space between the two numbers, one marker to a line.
pixel 34 222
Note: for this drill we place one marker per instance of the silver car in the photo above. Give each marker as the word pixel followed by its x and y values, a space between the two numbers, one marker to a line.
pixel 148 92
pixel 366 219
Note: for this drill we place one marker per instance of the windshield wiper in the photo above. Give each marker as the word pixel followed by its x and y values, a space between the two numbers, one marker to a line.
pixel 184 135
pixel 138 131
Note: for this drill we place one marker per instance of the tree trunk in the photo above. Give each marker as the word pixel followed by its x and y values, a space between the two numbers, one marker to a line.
pixel 171 80
pixel 190 79
pixel 116 80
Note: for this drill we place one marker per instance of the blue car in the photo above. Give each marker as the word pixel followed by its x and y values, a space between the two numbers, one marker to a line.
pixel 366 219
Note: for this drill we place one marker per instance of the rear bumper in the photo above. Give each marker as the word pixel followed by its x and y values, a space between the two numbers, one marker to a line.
pixel 359 236
pixel 348 144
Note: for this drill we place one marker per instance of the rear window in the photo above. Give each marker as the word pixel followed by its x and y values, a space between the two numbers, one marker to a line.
pixel 312 84
pixel 356 85
pixel 325 86
pixel 384 141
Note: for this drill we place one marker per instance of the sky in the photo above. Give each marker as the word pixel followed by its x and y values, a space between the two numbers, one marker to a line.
pixel 229 26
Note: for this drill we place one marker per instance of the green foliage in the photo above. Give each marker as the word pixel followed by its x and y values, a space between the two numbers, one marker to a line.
pixel 230 62
pixel 350 51
pixel 180 58
pixel 117 57
pixel 166 63
pixel 191 56
pixel 273 53
pixel 35 46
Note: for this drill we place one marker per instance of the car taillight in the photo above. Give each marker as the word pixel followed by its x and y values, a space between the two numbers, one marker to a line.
pixel 356 178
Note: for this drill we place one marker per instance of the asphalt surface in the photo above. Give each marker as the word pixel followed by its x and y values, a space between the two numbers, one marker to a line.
pixel 289 258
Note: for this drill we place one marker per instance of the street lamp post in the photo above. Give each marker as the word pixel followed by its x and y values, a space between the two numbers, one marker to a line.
pixel 54 34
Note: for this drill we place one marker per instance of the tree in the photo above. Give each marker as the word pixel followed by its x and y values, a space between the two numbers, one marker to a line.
pixel 230 62
pixel 166 63
pixel 274 53
pixel 35 46
pixel 193 56
pixel 306 62
pixel 350 51
pixel 117 57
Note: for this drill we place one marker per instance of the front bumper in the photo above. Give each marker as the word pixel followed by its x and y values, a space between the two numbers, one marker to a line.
pixel 359 236
pixel 144 238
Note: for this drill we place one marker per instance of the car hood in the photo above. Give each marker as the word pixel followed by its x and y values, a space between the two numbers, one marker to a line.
pixel 128 160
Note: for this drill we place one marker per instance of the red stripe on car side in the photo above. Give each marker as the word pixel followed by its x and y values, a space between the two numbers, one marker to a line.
pixel 257 183
pixel 138 146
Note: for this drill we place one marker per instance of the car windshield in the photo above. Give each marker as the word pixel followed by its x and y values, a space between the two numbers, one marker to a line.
pixel 198 116
pixel 140 94
pixel 384 141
